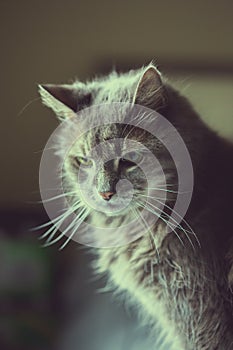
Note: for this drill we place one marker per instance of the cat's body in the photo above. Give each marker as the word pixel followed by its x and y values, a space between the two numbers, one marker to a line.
pixel 185 289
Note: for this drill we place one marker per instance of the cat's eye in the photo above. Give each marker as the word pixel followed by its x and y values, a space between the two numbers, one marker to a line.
pixel 83 161
pixel 133 157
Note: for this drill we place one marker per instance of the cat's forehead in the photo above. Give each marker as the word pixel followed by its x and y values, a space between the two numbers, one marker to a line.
pixel 113 131
pixel 101 133
pixel 112 137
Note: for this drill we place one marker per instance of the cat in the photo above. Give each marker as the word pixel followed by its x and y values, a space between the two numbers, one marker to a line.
pixel 181 280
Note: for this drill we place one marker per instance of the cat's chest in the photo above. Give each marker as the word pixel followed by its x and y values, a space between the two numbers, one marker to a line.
pixel 145 263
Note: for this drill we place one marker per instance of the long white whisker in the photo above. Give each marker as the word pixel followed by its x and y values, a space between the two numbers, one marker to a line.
pixel 166 190
pixel 46 223
pixel 27 105
pixel 55 222
pixel 144 195
pixel 165 221
pixel 50 242
pixel 75 229
pixel 49 222
pixel 124 129
pixel 137 214
pixel 57 226
pixel 166 184
pixel 149 230
pixel 176 224
pixel 57 197
pixel 186 223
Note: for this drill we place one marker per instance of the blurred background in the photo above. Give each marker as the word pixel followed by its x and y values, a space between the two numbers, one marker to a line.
pixel 48 298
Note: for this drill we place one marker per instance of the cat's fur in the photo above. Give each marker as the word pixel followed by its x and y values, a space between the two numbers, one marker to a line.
pixel 188 291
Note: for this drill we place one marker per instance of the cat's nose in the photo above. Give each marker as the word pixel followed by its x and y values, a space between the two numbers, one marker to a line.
pixel 106 195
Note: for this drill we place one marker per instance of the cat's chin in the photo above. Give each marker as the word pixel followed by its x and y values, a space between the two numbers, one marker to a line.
pixel 127 211
pixel 117 214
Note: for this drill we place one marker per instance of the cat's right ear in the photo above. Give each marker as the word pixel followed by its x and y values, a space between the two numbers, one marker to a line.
pixel 63 99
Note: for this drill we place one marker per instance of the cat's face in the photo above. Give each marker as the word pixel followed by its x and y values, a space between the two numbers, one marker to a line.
pixel 107 174
pixel 111 176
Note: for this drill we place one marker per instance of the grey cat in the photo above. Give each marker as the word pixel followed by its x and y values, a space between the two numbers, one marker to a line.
pixel 181 280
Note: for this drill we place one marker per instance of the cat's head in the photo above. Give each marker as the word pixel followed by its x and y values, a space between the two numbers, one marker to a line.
pixel 100 175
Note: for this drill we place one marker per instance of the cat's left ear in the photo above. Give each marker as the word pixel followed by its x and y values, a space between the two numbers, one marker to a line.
pixel 150 91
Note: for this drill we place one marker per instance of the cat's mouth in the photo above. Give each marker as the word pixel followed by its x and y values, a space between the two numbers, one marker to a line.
pixel 116 206
pixel 120 206
pixel 113 211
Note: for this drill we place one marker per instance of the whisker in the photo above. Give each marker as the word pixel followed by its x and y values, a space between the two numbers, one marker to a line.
pixel 162 203
pixel 46 223
pixel 55 228
pixel 27 105
pixel 50 242
pixel 166 184
pixel 166 190
pixel 176 224
pixel 137 214
pixel 186 223
pixel 75 229
pixel 165 221
pixel 59 219
pixel 149 230
pixel 57 197
pixel 124 129
pixel 144 195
